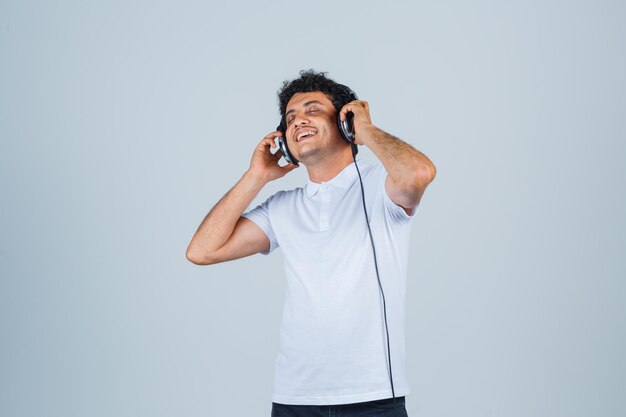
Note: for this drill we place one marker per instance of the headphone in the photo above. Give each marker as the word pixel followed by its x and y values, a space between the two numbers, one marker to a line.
pixel 346 126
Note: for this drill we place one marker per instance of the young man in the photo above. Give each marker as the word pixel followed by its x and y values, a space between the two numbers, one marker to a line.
pixel 342 331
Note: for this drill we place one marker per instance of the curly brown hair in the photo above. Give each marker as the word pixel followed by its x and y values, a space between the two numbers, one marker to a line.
pixel 309 81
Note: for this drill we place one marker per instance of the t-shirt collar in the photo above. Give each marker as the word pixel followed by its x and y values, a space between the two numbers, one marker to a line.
pixel 344 179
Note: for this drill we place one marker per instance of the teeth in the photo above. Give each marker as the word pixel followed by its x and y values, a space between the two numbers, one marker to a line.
pixel 305 133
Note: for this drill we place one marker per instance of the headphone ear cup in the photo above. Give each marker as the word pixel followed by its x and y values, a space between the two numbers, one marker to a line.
pixel 282 145
pixel 346 127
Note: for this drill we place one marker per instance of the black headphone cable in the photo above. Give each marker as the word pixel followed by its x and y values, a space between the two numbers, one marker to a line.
pixel 354 150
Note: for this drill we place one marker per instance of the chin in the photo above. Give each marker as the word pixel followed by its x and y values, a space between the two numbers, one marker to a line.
pixel 311 155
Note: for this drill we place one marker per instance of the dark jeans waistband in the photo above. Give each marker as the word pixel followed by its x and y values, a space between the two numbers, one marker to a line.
pixel 385 407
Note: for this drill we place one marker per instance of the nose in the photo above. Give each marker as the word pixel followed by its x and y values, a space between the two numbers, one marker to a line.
pixel 300 120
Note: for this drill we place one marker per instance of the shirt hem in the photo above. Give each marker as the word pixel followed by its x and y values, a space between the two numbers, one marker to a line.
pixel 337 400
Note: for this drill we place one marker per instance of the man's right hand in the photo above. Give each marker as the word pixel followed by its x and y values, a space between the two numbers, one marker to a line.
pixel 224 234
pixel 264 163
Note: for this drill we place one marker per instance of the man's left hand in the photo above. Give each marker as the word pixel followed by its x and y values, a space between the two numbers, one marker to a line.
pixel 362 120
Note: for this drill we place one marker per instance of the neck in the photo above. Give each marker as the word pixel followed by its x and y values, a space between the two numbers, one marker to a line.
pixel 328 168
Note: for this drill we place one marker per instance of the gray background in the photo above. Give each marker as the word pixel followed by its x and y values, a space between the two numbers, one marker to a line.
pixel 122 123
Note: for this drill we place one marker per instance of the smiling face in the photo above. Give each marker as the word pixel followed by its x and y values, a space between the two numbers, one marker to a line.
pixel 312 132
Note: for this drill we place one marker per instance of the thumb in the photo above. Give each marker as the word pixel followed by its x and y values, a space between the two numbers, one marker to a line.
pixel 288 168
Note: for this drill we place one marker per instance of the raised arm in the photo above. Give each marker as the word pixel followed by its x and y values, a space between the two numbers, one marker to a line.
pixel 224 235
pixel 408 170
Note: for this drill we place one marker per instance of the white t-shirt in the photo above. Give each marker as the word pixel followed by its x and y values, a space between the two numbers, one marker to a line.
pixel 333 346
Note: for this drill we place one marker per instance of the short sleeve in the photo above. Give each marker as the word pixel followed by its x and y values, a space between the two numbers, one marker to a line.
pixel 396 212
pixel 261 217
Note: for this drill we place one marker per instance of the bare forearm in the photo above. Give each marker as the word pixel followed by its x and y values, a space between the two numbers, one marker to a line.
pixel 219 224
pixel 402 161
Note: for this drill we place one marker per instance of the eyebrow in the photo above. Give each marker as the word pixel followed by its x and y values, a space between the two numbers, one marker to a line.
pixel 308 103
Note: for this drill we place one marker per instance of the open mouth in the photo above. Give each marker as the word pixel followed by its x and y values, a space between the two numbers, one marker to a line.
pixel 304 135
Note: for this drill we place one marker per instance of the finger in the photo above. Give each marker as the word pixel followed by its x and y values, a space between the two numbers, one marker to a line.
pixel 360 104
pixel 266 145
pixel 289 167
pixel 344 110
pixel 273 134
pixel 353 105
pixel 263 144
pixel 271 141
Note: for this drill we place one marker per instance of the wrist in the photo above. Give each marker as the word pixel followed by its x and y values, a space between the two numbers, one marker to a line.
pixel 365 134
pixel 257 180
